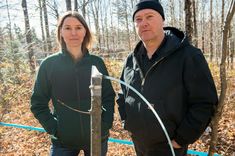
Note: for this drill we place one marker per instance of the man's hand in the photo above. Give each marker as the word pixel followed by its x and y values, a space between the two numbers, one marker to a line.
pixel 175 144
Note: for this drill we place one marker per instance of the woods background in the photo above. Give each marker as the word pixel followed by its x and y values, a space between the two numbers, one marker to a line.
pixel 27 35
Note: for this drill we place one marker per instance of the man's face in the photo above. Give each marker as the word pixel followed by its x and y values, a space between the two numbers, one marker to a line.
pixel 148 25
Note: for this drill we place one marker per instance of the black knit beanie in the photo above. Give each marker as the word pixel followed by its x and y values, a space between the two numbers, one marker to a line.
pixel 148 4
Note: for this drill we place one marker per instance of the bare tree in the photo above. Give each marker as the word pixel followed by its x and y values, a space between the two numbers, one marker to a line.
pixel 76 5
pixel 48 38
pixel 68 5
pixel 172 12
pixel 102 13
pixel 188 19
pixel 105 25
pixel 28 36
pixel 231 47
pixel 116 12
pixel 217 34
pixel 42 26
pixel 1 56
pixel 127 23
pixel 1 40
pixel 9 26
pixel 112 29
pixel 222 15
pixel 203 25
pixel 181 15
pixel 95 7
pixel 83 6
pixel 211 31
pixel 195 24
pixel 133 25
pixel 223 81
pixel 54 8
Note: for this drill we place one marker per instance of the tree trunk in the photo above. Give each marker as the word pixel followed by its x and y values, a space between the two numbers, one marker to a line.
pixel 172 12
pixel 55 9
pixel 28 37
pixel 188 19
pixel 223 81
pixel 133 25
pixel 68 5
pixel 228 52
pixel 219 17
pixel 211 31
pixel 48 38
pixel 9 27
pixel 195 24
pixel 95 7
pixel 76 6
pixel 84 4
pixel 127 26
pixel 181 15
pixel 231 48
pixel 102 27
pixel 42 28
pixel 106 29
pixel 222 15
pixel 118 26
pixel 112 34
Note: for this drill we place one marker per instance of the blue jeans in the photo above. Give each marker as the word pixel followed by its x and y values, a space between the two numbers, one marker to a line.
pixel 62 151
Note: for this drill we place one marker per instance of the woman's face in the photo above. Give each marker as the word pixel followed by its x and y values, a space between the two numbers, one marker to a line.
pixel 73 32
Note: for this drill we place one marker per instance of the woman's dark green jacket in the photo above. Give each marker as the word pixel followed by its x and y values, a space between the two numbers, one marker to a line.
pixel 61 80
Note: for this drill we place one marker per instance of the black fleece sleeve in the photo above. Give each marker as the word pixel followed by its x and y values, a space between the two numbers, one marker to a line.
pixel 201 101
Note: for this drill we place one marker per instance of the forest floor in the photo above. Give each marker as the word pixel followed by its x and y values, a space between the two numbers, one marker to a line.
pixel 20 142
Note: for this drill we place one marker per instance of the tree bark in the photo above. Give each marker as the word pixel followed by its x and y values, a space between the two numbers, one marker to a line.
pixel 76 5
pixel 95 5
pixel 84 11
pixel 202 27
pixel 28 36
pixel 9 27
pixel 231 47
pixel 68 5
pixel 211 31
pixel 133 25
pixel 172 12
pixel 195 24
pixel 223 80
pixel 188 19
pixel 42 27
pixel 55 9
pixel 48 38
pixel 127 25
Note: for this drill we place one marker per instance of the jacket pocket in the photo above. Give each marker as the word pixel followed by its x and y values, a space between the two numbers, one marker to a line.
pixel 154 130
pixel 68 129
pixel 134 120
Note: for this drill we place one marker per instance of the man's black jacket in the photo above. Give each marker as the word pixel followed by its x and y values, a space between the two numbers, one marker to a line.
pixel 178 85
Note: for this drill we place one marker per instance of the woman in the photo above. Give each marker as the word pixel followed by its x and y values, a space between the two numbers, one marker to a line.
pixel 64 78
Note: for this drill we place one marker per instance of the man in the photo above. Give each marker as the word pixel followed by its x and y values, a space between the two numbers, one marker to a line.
pixel 174 77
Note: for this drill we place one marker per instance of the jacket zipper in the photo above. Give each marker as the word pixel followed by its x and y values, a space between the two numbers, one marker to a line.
pixel 143 78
